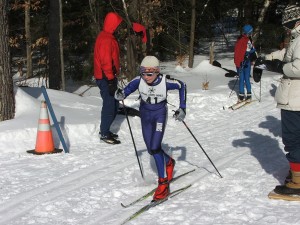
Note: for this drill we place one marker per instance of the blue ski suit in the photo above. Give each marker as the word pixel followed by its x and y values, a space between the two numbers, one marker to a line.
pixel 154 111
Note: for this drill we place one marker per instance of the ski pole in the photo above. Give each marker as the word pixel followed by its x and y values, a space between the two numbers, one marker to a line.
pixel 201 147
pixel 239 71
pixel 260 91
pixel 132 139
pixel 233 86
pixel 126 115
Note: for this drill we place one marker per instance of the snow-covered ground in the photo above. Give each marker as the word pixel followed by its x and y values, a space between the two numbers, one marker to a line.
pixel 87 185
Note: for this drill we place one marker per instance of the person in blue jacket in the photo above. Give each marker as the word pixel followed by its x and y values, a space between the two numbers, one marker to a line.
pixel 153 87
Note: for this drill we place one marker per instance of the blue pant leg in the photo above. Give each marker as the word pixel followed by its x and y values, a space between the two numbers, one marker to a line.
pixel 160 164
pixel 161 159
pixel 109 107
pixel 290 123
pixel 153 128
pixel 247 71
pixel 241 80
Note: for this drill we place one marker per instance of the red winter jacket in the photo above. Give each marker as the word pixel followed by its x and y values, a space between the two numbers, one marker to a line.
pixel 106 51
pixel 240 50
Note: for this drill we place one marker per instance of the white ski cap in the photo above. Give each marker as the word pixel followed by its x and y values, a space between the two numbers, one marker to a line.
pixel 150 61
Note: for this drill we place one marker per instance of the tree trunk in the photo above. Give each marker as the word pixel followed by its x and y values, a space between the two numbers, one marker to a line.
pixel 131 58
pixel 62 64
pixel 260 20
pixel 7 100
pixel 192 34
pixel 131 55
pixel 54 52
pixel 248 11
pixel 28 39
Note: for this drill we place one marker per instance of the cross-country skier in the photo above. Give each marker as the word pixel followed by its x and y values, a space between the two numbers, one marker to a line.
pixel 153 87
pixel 244 53
pixel 287 96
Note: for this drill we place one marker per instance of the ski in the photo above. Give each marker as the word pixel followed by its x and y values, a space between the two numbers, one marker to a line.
pixel 273 195
pixel 150 193
pixel 240 105
pixel 155 203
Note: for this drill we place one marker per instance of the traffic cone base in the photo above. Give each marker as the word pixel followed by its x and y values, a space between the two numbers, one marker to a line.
pixel 44 140
pixel 43 153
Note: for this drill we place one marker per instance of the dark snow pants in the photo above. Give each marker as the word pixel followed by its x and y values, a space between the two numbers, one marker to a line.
pixel 290 123
pixel 110 107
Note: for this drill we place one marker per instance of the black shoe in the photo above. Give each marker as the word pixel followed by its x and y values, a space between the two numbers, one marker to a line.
pixel 111 134
pixel 241 97
pixel 248 98
pixel 284 190
pixel 110 140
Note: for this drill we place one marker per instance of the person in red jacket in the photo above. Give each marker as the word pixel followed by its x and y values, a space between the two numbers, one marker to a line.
pixel 244 53
pixel 106 69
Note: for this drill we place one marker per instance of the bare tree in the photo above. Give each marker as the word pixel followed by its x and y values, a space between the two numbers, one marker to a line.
pixel 261 19
pixel 54 46
pixel 192 34
pixel 7 100
pixel 62 64
pixel 27 6
pixel 131 54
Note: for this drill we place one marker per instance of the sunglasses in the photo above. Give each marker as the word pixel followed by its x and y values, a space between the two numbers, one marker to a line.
pixel 149 74
pixel 149 71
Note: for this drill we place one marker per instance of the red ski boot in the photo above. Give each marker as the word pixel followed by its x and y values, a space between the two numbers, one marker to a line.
pixel 169 169
pixel 162 190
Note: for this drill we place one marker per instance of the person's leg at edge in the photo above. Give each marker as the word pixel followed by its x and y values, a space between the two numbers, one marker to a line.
pixel 290 121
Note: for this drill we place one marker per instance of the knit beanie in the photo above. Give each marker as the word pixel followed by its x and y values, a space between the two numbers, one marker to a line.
pixel 290 16
pixel 150 61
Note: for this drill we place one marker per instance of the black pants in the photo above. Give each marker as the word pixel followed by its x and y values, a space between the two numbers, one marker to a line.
pixel 290 122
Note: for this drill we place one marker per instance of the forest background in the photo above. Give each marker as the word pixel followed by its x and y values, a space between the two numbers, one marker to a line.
pixel 54 39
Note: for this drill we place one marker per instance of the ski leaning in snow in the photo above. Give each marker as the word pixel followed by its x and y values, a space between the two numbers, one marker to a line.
pixel 240 105
pixel 155 203
pixel 150 193
pixel 273 195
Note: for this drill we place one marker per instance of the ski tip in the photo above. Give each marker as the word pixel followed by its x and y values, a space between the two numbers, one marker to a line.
pixel 124 206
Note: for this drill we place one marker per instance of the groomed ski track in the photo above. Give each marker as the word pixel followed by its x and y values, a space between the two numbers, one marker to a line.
pixel 96 177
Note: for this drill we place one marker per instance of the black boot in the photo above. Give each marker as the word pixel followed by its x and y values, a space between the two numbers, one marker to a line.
pixel 290 188
pixel 241 97
pixel 249 97
pixel 110 140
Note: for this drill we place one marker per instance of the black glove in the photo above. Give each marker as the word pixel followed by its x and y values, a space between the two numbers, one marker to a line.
pixel 271 65
pixel 112 86
pixel 246 57
pixel 253 56
pixel 275 65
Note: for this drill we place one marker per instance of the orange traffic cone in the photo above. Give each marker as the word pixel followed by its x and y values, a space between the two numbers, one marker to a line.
pixel 44 140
